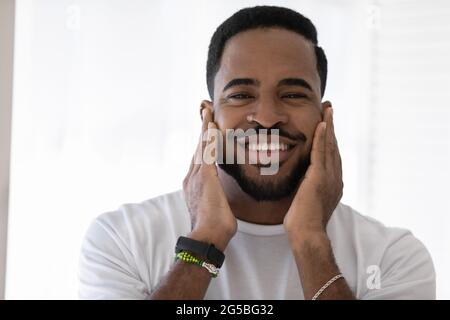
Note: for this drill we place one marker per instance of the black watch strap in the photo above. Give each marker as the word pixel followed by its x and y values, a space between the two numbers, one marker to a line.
pixel 203 249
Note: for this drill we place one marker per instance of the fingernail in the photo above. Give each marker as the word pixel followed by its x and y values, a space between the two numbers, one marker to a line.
pixel 331 108
pixel 203 112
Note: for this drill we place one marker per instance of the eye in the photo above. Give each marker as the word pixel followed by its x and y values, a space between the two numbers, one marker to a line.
pixel 293 96
pixel 240 96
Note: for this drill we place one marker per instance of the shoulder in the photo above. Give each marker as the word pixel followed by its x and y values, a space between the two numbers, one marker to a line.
pixel 139 233
pixel 155 215
pixel 347 219
pixel 125 252
pixel 403 261
pixel 349 224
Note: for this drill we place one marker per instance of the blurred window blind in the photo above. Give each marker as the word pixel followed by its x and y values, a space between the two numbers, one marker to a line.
pixel 409 110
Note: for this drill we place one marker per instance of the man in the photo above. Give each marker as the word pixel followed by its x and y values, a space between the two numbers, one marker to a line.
pixel 284 235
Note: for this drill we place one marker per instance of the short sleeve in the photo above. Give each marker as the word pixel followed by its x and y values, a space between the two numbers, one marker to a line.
pixel 407 272
pixel 106 268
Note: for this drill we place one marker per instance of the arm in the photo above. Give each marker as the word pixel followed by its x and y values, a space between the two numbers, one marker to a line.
pixel 212 222
pixel 316 266
pixel 306 220
pixel 186 281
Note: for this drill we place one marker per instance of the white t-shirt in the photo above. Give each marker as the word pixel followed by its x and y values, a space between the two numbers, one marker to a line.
pixel 126 252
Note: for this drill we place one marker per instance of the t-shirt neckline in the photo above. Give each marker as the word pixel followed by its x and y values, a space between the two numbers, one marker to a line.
pixel 260 229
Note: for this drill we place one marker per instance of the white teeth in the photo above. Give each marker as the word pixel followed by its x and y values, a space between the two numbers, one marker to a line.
pixel 270 146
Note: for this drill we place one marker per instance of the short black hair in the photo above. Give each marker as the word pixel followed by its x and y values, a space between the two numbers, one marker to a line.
pixel 262 17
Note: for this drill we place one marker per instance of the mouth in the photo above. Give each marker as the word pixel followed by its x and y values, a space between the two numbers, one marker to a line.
pixel 262 150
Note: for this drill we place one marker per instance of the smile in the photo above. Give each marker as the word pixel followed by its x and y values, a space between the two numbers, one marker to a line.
pixel 268 149
pixel 267 146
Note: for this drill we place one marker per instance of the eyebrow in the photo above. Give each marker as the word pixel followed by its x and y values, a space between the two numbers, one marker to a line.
pixel 241 81
pixel 295 82
pixel 253 82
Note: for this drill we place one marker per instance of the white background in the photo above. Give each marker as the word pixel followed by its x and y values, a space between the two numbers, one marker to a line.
pixel 105 112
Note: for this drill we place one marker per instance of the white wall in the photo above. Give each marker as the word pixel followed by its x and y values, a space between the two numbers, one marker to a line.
pixel 106 112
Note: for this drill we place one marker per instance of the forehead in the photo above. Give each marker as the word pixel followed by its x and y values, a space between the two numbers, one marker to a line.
pixel 269 55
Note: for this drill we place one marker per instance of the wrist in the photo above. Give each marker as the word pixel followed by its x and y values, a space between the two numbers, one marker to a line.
pixel 305 221
pixel 299 238
pixel 305 229
pixel 218 240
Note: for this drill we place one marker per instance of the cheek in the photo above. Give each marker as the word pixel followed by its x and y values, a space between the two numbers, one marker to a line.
pixel 307 122
pixel 228 118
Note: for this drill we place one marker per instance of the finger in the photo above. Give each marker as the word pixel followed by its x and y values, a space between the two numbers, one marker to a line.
pixel 211 153
pixel 198 155
pixel 197 158
pixel 207 116
pixel 337 159
pixel 206 153
pixel 330 154
pixel 335 154
pixel 318 147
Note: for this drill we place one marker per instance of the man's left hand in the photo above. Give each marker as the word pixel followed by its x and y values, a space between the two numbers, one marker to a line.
pixel 321 189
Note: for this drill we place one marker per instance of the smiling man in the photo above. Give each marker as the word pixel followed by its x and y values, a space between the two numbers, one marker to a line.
pixel 236 233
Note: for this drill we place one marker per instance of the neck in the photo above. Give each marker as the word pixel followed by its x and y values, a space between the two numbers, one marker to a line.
pixel 248 209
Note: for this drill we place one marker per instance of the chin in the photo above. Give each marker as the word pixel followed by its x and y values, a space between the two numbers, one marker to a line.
pixel 267 187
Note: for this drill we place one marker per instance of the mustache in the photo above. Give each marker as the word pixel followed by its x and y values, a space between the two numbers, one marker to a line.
pixel 283 133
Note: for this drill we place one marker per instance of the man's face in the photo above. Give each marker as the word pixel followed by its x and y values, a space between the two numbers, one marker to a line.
pixel 281 91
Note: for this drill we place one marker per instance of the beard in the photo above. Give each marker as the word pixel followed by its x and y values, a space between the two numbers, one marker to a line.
pixel 268 188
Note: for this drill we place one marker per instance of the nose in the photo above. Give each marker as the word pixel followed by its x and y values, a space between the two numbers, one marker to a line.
pixel 267 114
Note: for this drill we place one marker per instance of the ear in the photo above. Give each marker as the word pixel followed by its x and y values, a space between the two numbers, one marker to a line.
pixel 206 104
pixel 325 105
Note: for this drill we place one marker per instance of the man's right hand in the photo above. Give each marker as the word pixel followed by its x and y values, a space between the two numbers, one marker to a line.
pixel 211 216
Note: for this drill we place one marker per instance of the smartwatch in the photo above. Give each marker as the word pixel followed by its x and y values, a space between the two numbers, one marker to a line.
pixel 203 249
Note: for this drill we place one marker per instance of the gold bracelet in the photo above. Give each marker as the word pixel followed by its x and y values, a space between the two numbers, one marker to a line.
pixel 326 285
